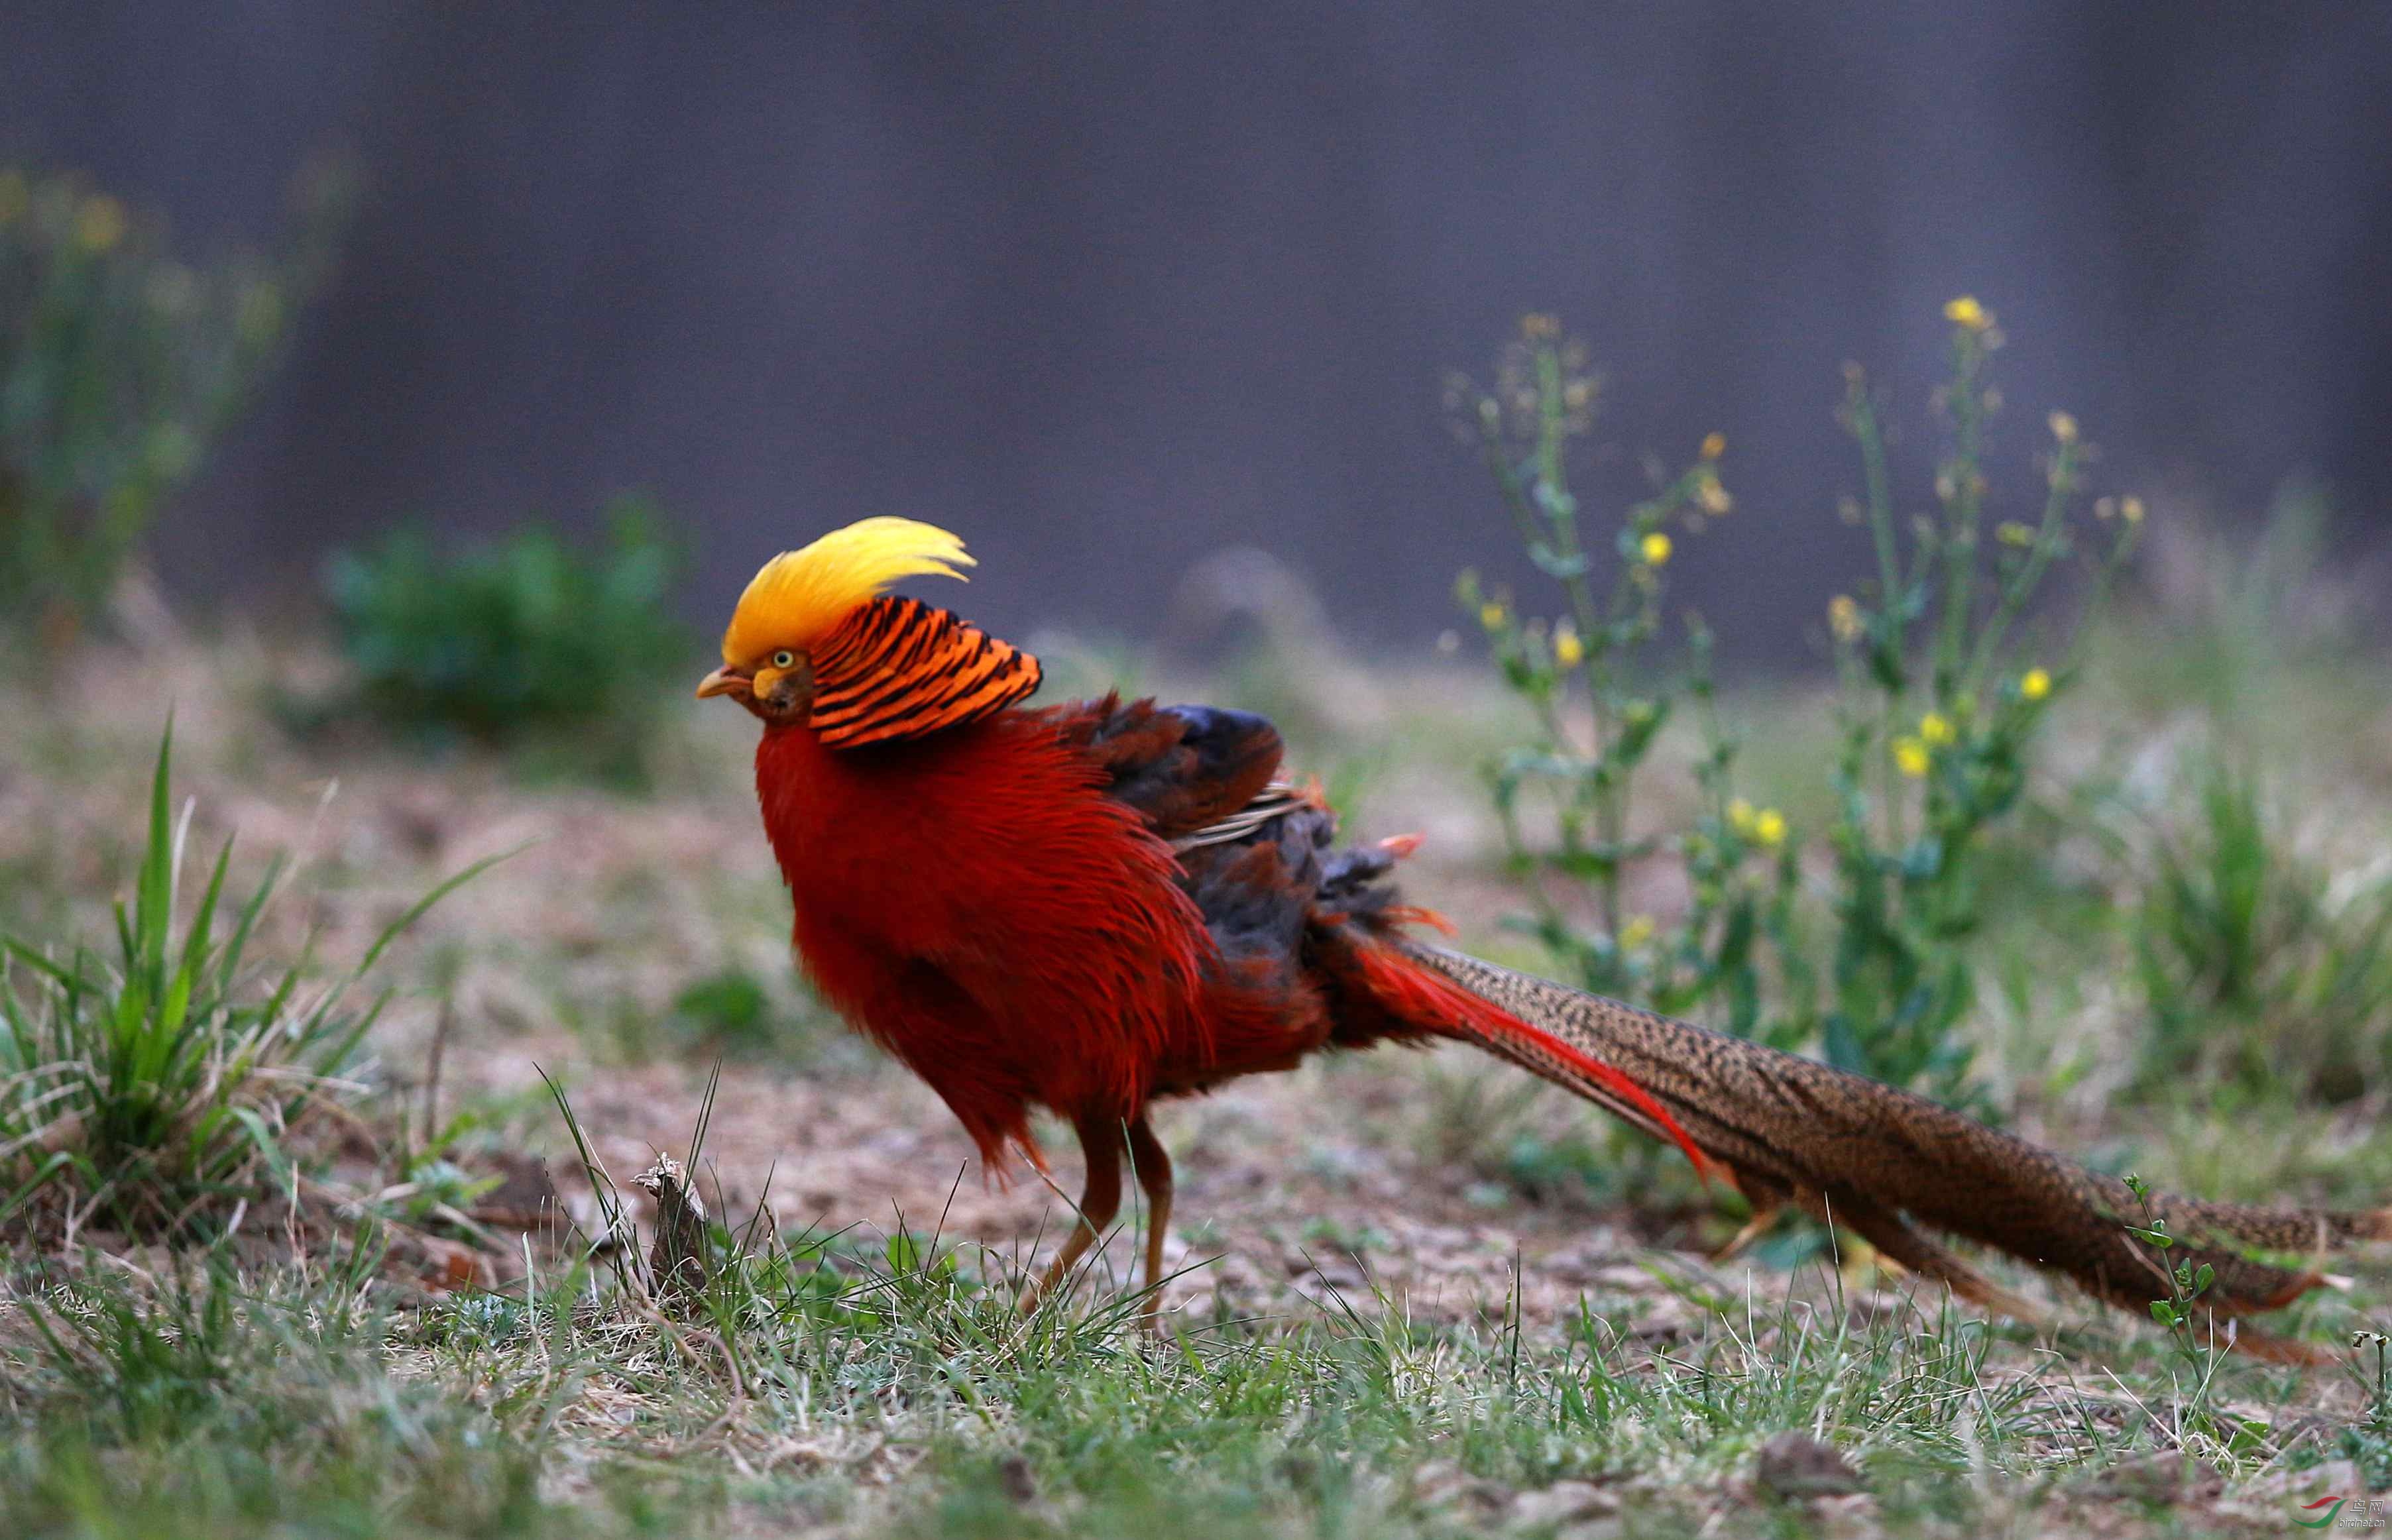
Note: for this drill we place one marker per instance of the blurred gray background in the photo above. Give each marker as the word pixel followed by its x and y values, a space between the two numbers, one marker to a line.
pixel 1108 289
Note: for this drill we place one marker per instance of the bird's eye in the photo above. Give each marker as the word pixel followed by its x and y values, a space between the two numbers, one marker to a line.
pixel 784 658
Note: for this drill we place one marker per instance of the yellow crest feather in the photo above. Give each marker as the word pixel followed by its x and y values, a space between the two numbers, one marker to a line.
pixel 798 596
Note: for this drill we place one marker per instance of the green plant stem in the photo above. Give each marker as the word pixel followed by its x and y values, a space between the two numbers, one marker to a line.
pixel 1963 510
pixel 2050 535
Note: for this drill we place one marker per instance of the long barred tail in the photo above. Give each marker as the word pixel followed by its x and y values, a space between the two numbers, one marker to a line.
pixel 1880 1161
pixel 1429 1004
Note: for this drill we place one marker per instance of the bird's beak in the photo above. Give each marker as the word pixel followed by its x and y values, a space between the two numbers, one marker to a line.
pixel 725 680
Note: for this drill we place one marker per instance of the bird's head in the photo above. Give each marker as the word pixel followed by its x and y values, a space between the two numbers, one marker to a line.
pixel 815 642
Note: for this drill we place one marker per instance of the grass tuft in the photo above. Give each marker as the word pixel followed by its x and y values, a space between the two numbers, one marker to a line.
pixel 2261 968
pixel 157 1091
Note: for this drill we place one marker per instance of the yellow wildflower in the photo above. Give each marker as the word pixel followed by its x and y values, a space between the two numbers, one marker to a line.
pixel 1965 311
pixel 1713 497
pixel 1492 615
pixel 1577 394
pixel 1936 729
pixel 2063 427
pixel 1740 816
pixel 1845 617
pixel 100 222
pixel 2009 531
pixel 1769 827
pixel 1654 547
pixel 1568 650
pixel 1538 327
pixel 2035 684
pixel 1910 756
pixel 1715 446
pixel 1636 932
pixel 2131 509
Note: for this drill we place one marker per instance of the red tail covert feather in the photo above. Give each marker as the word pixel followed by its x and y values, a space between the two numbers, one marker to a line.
pixel 1447 1010
pixel 1413 914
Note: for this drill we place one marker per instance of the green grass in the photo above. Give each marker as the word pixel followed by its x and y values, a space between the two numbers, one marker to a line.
pixel 2259 965
pixel 220 1403
pixel 156 1093
pixel 217 1403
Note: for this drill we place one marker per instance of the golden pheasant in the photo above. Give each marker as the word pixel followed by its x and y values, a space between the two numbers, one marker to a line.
pixel 1095 907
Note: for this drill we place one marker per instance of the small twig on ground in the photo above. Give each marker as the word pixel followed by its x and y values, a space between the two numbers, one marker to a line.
pixel 677 1260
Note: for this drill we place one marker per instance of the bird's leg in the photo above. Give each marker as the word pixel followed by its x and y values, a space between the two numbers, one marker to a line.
pixel 1100 1144
pixel 1768 1198
pixel 1754 1228
pixel 1894 1236
pixel 1152 1164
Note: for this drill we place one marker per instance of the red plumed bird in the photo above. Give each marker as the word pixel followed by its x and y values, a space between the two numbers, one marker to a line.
pixel 1095 907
